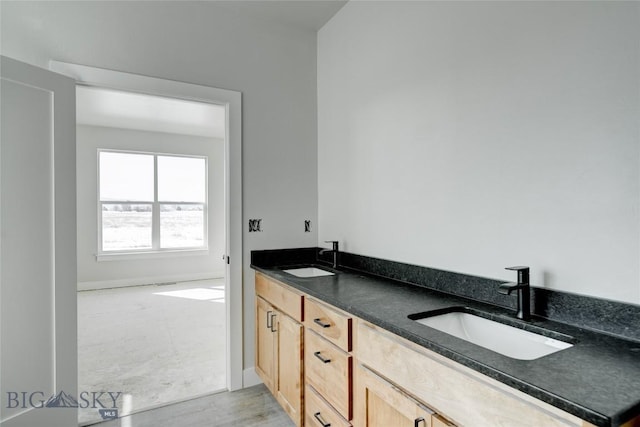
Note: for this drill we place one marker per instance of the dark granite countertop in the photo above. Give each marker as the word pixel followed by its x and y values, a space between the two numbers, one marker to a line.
pixel 597 380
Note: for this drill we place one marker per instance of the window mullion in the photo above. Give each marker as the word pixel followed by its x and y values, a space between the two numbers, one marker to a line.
pixel 155 217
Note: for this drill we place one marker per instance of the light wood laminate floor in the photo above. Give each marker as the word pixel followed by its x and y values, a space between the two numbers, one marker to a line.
pixel 250 407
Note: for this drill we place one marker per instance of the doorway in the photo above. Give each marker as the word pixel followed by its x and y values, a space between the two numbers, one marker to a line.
pixel 150 218
pixel 231 101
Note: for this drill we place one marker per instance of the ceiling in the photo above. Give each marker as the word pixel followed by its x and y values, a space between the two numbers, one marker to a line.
pixel 127 110
pixel 308 15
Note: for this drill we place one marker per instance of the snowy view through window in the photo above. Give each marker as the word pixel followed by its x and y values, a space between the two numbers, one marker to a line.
pixel 137 216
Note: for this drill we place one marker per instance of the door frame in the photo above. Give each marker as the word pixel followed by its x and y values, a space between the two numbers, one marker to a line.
pixel 232 101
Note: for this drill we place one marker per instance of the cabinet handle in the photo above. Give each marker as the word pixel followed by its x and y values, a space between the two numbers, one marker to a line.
pixel 417 422
pixel 272 324
pixel 320 420
pixel 268 318
pixel 317 354
pixel 321 323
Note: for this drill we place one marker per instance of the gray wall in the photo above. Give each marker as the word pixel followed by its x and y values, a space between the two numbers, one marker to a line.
pixel 471 136
pixel 98 274
pixel 204 43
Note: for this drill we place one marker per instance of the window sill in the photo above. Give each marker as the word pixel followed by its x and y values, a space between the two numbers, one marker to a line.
pixel 131 256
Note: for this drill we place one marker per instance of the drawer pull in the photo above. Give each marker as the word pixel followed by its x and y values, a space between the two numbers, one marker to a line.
pixel 321 323
pixel 417 422
pixel 269 318
pixel 272 324
pixel 317 354
pixel 320 420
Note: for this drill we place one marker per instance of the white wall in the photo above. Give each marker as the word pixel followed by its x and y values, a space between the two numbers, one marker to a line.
pixel 94 274
pixel 471 136
pixel 204 43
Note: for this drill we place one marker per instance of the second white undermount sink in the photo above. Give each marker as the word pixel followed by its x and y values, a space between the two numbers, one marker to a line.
pixel 504 339
pixel 309 272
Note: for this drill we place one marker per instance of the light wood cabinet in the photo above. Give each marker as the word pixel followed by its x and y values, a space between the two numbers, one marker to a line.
pixel 328 370
pixel 265 343
pixel 319 413
pixel 331 324
pixel 454 392
pixel 289 383
pixel 381 404
pixel 339 370
pixel 279 344
pixel 438 421
pixel 286 299
pixel 328 361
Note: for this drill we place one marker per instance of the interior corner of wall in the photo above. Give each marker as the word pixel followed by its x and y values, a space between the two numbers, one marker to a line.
pixel 250 377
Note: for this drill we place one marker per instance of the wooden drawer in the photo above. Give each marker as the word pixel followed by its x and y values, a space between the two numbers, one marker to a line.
pixel 281 296
pixel 329 370
pixel 318 413
pixel 332 324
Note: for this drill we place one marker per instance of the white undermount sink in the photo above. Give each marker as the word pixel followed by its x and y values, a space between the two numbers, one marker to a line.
pixel 504 339
pixel 308 272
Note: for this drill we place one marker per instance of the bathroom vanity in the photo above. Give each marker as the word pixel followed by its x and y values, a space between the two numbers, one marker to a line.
pixel 344 348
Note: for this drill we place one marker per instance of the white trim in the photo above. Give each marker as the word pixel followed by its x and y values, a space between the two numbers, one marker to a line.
pixel 250 377
pixel 149 280
pixel 18 414
pixel 232 101
pixel 130 256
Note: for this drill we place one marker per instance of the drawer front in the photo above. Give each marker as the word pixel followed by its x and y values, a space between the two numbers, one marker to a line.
pixel 280 296
pixel 330 323
pixel 318 413
pixel 329 370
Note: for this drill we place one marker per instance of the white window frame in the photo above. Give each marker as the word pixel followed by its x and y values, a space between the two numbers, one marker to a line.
pixel 156 251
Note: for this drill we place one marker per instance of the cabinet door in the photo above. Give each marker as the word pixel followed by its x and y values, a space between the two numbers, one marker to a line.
pixel 381 404
pixel 266 350
pixel 289 366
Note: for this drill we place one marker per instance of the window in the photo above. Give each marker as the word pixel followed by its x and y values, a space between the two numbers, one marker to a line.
pixel 150 202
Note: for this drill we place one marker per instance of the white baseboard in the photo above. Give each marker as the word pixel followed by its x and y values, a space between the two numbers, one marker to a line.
pixel 250 378
pixel 150 280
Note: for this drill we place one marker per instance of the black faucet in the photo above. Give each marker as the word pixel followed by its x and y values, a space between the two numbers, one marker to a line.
pixel 522 286
pixel 334 251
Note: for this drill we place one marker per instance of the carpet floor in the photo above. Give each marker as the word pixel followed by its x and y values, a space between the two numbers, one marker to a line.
pixel 156 344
